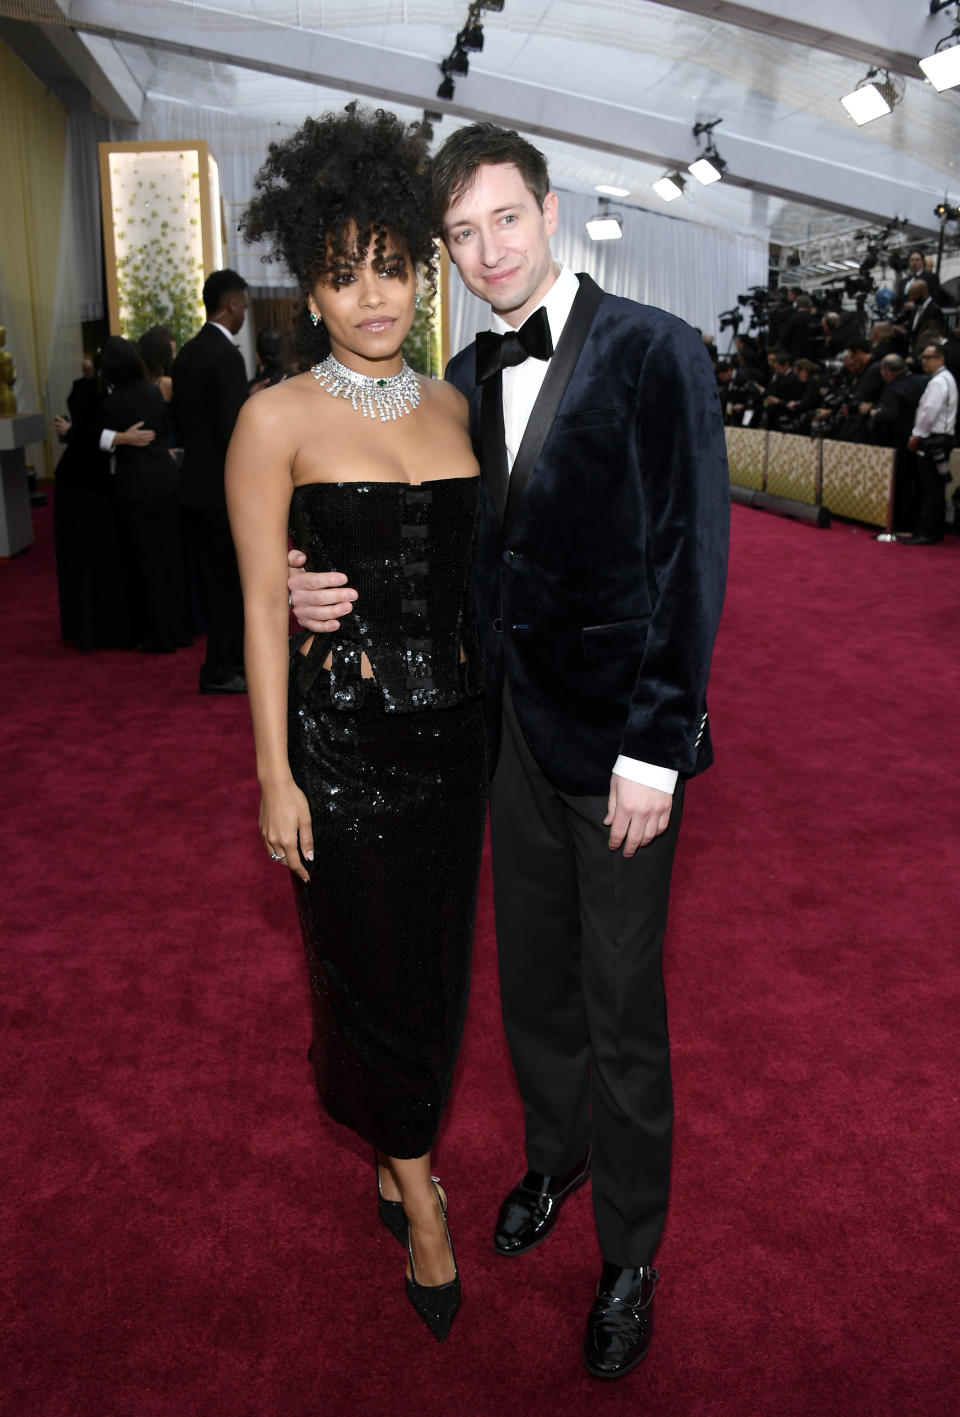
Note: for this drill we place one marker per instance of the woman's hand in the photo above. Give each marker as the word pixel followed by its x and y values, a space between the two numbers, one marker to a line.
pixel 285 820
pixel 61 425
pixel 136 436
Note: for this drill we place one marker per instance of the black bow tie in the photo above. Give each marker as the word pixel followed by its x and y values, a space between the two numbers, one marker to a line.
pixel 496 352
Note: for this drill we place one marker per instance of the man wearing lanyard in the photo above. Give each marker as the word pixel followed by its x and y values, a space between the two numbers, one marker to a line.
pixel 598 581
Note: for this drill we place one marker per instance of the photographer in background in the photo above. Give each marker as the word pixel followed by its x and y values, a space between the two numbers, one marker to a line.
pixel 784 387
pixel 839 328
pixel 891 426
pixel 798 333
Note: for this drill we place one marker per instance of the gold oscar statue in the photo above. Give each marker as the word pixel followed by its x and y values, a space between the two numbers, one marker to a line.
pixel 8 375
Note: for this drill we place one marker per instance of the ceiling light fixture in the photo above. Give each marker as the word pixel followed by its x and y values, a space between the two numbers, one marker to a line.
pixel 612 191
pixel 469 40
pixel 670 186
pixel 876 94
pixel 606 225
pixel 942 67
pixel 709 166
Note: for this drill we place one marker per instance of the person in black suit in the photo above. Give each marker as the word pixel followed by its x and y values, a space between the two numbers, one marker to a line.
pixel 147 482
pixel 209 387
pixel 916 270
pixel 599 573
pixel 798 332
pixel 784 388
pixel 839 328
pixel 891 424
pixel 95 609
pixel 923 318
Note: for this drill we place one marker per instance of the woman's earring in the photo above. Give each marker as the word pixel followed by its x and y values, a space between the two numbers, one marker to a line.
pixel 315 318
pixel 416 301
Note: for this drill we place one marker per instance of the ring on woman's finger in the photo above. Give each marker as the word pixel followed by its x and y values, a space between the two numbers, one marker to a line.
pixel 277 856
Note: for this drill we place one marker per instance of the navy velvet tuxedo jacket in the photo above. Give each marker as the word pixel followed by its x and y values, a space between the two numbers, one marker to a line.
pixel 599 595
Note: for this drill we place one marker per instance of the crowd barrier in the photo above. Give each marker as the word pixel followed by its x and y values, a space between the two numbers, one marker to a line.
pixel 852 480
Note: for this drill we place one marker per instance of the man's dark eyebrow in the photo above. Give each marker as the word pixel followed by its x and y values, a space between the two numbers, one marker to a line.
pixel 497 211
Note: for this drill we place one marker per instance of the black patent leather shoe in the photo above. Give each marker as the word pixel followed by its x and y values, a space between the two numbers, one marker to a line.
pixel 620 1325
pixel 530 1211
pixel 236 685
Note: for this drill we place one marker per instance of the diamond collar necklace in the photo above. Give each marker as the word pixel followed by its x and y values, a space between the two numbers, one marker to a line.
pixel 375 398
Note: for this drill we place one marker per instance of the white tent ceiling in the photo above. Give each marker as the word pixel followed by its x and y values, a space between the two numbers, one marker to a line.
pixel 610 89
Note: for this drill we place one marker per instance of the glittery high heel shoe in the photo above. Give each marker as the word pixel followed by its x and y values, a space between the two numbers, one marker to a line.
pixel 391 1212
pixel 437 1304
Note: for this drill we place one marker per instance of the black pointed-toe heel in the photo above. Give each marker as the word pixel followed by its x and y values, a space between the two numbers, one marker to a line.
pixel 437 1304
pixel 391 1212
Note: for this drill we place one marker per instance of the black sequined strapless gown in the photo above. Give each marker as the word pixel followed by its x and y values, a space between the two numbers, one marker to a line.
pixel 393 769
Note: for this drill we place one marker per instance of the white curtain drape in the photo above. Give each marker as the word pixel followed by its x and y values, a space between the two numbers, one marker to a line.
pixel 692 271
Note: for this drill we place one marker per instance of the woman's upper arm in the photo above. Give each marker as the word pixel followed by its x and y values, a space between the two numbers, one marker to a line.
pixel 258 487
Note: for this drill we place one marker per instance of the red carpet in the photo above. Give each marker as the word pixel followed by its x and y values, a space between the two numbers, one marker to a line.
pixel 187 1236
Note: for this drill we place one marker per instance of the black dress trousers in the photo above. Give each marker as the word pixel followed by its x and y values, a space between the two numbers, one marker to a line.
pixel 580 933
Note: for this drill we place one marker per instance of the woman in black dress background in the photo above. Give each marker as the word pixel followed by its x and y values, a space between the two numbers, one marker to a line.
pixel 147 482
pixel 368 739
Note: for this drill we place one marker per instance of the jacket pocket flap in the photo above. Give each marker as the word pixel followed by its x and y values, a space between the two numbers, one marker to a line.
pixel 622 637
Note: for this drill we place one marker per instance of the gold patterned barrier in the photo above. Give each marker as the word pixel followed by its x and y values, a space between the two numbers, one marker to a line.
pixel 858 481
pixel 855 479
pixel 747 456
pixel 793 467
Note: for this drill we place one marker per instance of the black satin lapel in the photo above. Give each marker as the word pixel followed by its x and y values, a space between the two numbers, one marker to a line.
pixel 552 390
pixel 493 441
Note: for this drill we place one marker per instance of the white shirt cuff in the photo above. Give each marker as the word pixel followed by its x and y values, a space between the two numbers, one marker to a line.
pixel 648 774
pixel 107 440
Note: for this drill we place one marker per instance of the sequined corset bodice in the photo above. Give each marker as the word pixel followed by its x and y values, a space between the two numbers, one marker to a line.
pixel 406 551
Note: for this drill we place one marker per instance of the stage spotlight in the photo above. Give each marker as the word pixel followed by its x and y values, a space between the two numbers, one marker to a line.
pixel 670 186
pixel 875 95
pixel 496 5
pixel 605 226
pixel 942 67
pixel 457 63
pixel 709 168
pixel 471 38
pixel 446 89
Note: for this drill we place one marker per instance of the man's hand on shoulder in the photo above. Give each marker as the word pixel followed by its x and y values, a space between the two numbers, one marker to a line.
pixel 318 598
pixel 635 814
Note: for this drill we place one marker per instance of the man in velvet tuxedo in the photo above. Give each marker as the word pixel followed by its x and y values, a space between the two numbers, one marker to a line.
pixel 209 388
pixel 598 580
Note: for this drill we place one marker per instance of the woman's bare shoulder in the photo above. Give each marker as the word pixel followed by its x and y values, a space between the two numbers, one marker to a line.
pixel 280 407
pixel 448 398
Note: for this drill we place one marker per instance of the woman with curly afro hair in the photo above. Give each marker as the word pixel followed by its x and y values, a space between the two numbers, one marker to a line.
pixel 368 738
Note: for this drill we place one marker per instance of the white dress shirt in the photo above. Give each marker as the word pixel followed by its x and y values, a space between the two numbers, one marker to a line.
pixel 937 409
pixel 521 385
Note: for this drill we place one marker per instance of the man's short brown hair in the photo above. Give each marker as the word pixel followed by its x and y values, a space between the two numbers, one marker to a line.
pixel 455 165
